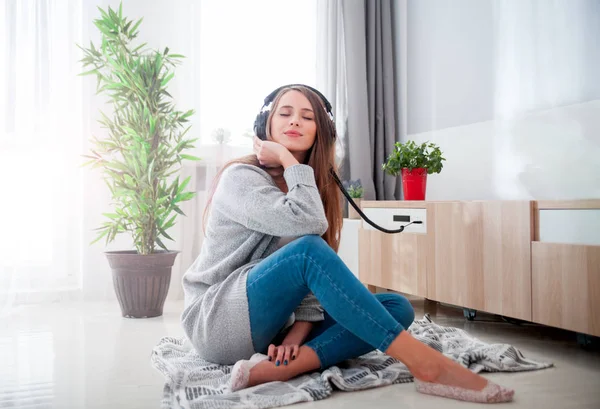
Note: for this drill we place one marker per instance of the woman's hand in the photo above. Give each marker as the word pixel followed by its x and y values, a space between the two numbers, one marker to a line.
pixel 272 154
pixel 290 346
pixel 283 354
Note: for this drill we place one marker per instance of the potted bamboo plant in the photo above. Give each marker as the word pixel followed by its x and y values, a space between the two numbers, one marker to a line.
pixel 356 192
pixel 414 162
pixel 140 159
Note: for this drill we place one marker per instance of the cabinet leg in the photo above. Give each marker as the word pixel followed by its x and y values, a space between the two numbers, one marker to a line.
pixel 586 341
pixel 372 288
pixel 469 314
pixel 430 306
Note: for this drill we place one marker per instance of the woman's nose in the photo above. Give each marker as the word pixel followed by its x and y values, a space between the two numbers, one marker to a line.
pixel 294 121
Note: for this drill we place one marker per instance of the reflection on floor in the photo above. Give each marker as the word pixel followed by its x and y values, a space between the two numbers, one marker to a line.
pixel 88 356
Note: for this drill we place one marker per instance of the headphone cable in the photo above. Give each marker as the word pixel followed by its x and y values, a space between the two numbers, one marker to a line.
pixel 355 206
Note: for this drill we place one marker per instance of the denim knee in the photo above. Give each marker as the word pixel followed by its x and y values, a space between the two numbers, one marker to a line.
pixel 310 240
pixel 399 307
pixel 312 245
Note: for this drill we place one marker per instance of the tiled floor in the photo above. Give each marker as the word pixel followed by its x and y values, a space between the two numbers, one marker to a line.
pixel 87 356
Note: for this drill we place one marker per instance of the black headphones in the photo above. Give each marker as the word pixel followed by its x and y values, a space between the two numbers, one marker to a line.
pixel 260 123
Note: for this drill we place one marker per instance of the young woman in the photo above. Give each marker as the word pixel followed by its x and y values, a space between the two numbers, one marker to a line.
pixel 269 292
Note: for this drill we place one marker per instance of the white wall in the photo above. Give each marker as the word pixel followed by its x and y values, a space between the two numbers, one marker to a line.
pixel 509 90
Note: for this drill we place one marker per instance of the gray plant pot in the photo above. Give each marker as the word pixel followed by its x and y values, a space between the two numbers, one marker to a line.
pixel 141 282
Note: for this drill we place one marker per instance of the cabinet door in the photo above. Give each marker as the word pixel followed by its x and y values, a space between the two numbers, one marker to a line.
pixel 394 261
pixel 566 286
pixel 480 256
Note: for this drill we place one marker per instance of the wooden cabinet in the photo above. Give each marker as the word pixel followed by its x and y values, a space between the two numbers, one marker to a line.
pixel 519 259
pixel 395 261
pixel 566 286
pixel 480 256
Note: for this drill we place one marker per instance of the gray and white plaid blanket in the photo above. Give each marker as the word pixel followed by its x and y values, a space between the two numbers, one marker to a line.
pixel 197 384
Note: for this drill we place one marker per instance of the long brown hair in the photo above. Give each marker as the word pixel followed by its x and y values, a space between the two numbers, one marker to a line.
pixel 321 157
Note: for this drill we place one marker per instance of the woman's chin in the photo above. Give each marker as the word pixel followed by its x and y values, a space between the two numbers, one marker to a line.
pixel 295 147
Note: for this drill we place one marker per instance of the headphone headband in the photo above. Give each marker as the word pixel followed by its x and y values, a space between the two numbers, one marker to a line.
pixel 273 94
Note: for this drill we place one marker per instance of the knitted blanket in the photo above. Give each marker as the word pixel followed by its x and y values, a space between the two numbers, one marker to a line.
pixel 197 384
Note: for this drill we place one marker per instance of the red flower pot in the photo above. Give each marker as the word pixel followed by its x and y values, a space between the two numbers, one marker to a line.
pixel 414 183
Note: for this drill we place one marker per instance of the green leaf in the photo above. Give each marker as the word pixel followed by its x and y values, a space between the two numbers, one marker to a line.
pixel 129 180
pixel 182 197
pixel 170 223
pixel 166 80
pixel 188 114
pixel 94 71
pixel 152 122
pixel 183 185
pixel 126 28
pixel 118 166
pixel 103 13
pixel 164 233
pixel 87 163
pixel 189 157
pixel 161 244
pixel 99 237
pixel 178 210
pixel 410 155
pixel 139 47
pixel 133 30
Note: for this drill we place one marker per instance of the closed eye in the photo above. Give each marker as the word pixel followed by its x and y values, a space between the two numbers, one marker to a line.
pixel 304 117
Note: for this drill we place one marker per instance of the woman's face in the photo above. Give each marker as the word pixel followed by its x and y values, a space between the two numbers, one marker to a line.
pixel 293 122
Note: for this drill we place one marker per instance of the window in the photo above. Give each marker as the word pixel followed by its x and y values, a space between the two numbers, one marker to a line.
pixel 40 143
pixel 249 48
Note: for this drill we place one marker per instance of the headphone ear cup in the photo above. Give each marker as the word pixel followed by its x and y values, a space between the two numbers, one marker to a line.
pixel 260 125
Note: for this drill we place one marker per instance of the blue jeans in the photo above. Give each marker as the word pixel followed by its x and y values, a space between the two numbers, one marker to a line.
pixel 356 321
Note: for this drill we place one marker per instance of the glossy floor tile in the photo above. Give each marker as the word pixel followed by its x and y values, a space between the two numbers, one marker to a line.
pixel 85 355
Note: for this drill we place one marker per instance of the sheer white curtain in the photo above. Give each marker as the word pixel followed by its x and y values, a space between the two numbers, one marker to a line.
pixel 332 70
pixel 40 143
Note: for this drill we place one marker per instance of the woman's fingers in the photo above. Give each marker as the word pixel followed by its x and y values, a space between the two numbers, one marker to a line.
pixel 287 355
pixel 283 354
pixel 280 353
pixel 272 353
pixel 257 145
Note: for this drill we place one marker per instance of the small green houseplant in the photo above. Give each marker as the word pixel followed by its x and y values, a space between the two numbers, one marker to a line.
pixel 139 158
pixel 356 192
pixel 354 188
pixel 414 162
